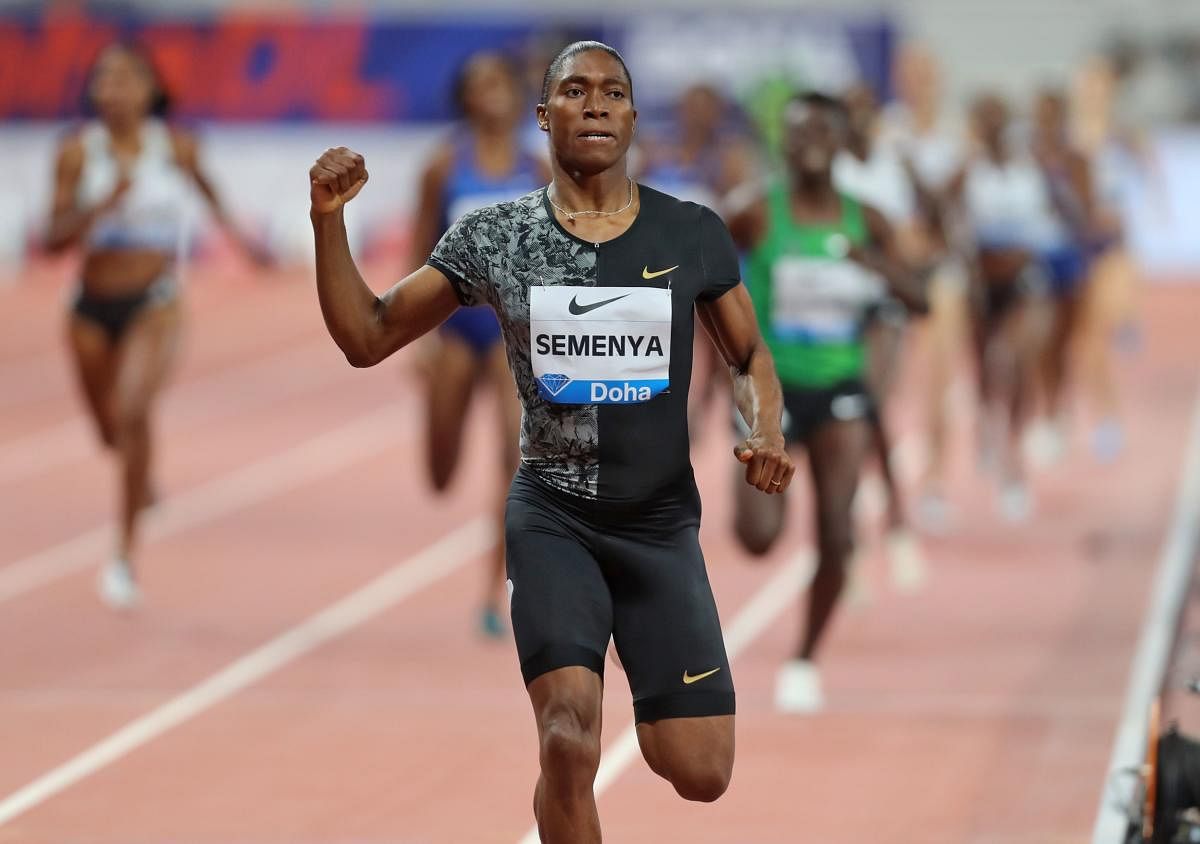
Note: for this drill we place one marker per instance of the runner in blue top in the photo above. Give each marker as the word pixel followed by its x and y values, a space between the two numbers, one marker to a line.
pixel 483 162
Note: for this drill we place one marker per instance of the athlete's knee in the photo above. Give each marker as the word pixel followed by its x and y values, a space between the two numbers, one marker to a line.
pixel 835 543
pixel 755 537
pixel 106 430
pixel 121 419
pixel 443 451
pixel 570 744
pixel 703 781
pixel 441 470
pixel 757 525
pixel 129 423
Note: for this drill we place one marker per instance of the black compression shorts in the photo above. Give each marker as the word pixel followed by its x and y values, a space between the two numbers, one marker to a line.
pixel 805 409
pixel 808 408
pixel 114 314
pixel 580 571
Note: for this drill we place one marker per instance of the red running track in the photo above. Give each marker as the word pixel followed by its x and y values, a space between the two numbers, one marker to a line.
pixel 980 709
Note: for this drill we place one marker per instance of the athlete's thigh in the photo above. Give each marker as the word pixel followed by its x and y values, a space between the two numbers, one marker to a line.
pixel 835 456
pixel 666 627
pixel 678 744
pixel 451 382
pixel 147 354
pixel 1111 292
pixel 883 339
pixel 1028 327
pixel 561 610
pixel 95 362
pixel 949 316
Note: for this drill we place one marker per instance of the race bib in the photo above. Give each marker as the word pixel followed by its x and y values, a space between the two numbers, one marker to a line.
pixel 820 300
pixel 600 345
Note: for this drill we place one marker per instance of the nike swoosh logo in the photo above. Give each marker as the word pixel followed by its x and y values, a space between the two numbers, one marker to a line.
pixel 579 309
pixel 688 679
pixel 646 274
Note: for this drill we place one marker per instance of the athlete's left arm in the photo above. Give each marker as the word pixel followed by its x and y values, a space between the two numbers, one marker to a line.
pixel 882 256
pixel 733 328
pixel 1081 180
pixel 187 156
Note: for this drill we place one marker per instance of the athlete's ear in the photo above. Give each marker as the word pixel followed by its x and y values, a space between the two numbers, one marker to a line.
pixel 543 117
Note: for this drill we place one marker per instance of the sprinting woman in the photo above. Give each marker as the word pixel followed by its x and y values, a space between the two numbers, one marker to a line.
pixel 121 186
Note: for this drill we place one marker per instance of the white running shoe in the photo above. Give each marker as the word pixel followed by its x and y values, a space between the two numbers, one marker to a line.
pixel 934 513
pixel 798 688
pixel 117 587
pixel 1045 444
pixel 906 561
pixel 1016 504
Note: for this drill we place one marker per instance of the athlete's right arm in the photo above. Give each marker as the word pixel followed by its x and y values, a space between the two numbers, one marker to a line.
pixel 366 327
pixel 69 222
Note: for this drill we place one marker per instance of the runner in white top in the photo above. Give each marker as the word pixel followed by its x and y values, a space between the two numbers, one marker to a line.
pixel 933 149
pixel 873 173
pixel 121 188
pixel 1017 230
pixel 1120 158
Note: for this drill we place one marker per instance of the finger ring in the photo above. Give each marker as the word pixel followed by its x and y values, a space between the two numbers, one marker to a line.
pixel 775 483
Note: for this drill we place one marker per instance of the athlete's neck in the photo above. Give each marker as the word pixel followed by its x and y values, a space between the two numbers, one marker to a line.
pixel 496 130
pixel 694 145
pixel 860 148
pixel 495 149
pixel 814 188
pixel 1051 141
pixel 124 134
pixel 996 152
pixel 924 115
pixel 604 191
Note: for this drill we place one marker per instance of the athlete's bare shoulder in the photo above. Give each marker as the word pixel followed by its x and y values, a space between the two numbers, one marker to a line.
pixel 184 145
pixel 70 158
pixel 70 145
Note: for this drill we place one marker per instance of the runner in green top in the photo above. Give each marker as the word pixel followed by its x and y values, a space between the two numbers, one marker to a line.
pixel 817 261
pixel 808 295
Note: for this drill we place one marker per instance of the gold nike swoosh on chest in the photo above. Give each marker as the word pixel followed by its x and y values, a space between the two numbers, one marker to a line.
pixel 646 274
pixel 688 679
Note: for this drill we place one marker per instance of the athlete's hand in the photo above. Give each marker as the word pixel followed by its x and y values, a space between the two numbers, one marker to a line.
pixel 335 179
pixel 768 465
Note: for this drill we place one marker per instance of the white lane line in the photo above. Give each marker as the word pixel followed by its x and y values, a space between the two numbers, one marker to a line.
pixel 1154 645
pixel 772 598
pixel 312 459
pixel 238 388
pixel 426 567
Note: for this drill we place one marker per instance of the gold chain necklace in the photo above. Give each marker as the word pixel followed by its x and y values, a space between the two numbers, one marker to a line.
pixel 571 215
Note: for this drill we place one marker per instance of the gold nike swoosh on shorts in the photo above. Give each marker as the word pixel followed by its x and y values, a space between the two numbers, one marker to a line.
pixel 646 274
pixel 688 679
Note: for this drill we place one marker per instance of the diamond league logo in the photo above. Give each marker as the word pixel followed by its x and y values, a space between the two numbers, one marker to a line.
pixel 554 382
